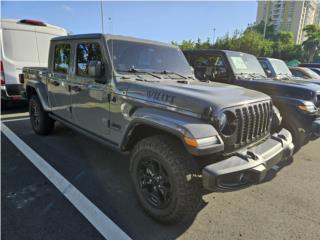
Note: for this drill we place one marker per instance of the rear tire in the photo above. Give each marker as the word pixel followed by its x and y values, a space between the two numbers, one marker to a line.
pixel 41 123
pixel 165 179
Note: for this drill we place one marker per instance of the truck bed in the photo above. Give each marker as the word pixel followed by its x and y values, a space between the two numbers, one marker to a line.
pixel 34 73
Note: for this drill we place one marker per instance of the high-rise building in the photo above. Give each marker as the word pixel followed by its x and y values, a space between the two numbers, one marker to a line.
pixel 317 20
pixel 290 16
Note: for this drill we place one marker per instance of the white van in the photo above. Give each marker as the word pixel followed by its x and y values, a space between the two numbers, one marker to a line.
pixel 23 43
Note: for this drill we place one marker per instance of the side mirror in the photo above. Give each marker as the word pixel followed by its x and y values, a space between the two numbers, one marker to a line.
pixel 95 68
pixel 269 73
pixel 221 71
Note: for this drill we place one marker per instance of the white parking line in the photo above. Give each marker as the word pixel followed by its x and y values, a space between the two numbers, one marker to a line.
pixel 14 115
pixel 105 226
pixel 15 119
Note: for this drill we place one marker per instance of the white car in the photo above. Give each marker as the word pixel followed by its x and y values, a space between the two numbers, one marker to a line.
pixel 23 43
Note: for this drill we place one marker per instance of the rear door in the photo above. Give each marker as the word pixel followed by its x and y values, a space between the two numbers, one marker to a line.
pixel 58 79
pixel 19 50
pixel 89 95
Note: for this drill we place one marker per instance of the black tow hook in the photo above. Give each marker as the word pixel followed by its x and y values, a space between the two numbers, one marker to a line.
pixel 252 155
pixel 283 137
pixel 248 155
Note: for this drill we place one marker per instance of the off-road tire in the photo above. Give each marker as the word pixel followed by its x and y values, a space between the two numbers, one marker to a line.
pixel 41 123
pixel 182 171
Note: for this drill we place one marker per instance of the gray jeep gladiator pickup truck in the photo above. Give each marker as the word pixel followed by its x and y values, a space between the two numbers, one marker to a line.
pixel 142 97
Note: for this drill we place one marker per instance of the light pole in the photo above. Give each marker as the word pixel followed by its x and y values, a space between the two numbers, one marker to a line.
pixel 265 23
pixel 101 9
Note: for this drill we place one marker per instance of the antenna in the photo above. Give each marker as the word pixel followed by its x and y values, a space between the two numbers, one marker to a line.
pixel 101 9
pixel 111 31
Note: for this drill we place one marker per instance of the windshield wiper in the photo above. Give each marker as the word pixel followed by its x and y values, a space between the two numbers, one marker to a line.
pixel 134 70
pixel 169 72
pixel 285 74
pixel 250 75
pixel 243 75
pixel 257 75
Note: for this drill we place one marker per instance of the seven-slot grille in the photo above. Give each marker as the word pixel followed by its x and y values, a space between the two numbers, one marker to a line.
pixel 254 122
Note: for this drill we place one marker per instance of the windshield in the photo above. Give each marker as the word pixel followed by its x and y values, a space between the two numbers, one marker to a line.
pixel 243 63
pixel 147 57
pixel 280 67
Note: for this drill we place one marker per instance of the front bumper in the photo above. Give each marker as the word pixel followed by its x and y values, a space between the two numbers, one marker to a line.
pixel 249 166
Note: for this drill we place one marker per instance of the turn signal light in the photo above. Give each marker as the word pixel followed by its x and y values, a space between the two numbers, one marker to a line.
pixel 191 142
pixel 201 142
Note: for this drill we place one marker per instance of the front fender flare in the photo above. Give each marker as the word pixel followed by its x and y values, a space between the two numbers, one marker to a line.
pixel 173 123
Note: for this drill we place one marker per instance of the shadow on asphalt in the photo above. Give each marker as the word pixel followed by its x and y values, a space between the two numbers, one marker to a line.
pixel 111 189
pixel 273 173
pixel 13 108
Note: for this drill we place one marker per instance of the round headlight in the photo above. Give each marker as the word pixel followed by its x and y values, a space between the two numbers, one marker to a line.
pixel 227 123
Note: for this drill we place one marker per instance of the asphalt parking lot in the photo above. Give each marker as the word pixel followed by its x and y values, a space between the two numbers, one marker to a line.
pixel 286 207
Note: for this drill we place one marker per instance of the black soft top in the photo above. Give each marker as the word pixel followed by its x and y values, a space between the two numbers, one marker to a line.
pixel 108 37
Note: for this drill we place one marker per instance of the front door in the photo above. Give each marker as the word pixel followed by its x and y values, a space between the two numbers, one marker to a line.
pixel 58 89
pixel 89 92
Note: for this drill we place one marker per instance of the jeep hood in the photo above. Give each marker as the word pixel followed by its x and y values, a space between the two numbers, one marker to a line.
pixel 284 88
pixel 194 96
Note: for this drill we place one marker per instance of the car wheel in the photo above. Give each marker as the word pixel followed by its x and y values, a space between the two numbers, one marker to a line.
pixel 41 122
pixel 165 179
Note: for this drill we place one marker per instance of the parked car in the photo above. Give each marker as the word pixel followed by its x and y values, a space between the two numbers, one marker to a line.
pixel 313 66
pixel 316 70
pixel 23 43
pixel 298 101
pixel 277 69
pixel 141 96
pixel 304 72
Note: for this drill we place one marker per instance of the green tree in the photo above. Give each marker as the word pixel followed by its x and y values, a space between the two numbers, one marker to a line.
pixel 284 46
pixel 278 45
pixel 270 30
pixel 187 44
pixel 312 44
pixel 249 41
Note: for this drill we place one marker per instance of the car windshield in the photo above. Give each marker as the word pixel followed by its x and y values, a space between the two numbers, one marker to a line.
pixel 129 56
pixel 280 67
pixel 245 64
